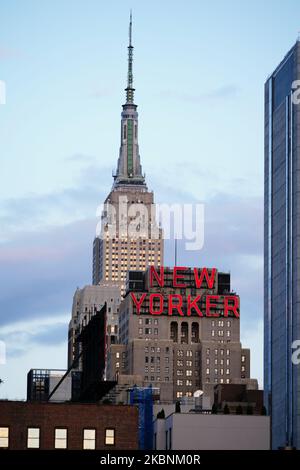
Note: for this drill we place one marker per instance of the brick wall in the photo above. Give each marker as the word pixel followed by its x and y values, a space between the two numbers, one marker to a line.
pixel 18 416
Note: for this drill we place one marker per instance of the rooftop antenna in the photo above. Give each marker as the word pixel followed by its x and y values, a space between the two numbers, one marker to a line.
pixel 130 90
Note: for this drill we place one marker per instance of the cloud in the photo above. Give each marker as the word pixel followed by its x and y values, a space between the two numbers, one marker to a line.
pixel 39 271
pixel 36 212
pixel 10 53
pixel 19 341
pixel 225 92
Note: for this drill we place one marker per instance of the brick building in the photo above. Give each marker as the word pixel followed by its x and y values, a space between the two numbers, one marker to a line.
pixel 74 426
pixel 180 350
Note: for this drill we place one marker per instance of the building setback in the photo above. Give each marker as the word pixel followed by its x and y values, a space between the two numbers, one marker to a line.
pixel 282 251
pixel 73 426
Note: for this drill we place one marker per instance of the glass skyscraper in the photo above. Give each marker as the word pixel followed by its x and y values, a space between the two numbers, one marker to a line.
pixel 282 250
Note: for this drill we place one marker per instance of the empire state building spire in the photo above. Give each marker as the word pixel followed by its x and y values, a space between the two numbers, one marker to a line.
pixel 130 90
pixel 129 171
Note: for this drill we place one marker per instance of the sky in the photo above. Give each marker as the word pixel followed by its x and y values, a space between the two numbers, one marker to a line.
pixel 199 74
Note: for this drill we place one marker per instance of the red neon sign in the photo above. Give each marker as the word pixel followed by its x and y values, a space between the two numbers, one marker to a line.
pixel 205 305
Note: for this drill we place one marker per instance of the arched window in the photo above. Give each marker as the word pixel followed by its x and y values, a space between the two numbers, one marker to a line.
pixel 174 331
pixel 184 333
pixel 195 332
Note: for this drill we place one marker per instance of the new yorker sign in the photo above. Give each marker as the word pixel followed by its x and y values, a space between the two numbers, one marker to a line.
pixel 206 304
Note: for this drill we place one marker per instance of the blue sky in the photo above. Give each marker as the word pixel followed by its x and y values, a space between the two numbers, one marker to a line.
pixel 199 72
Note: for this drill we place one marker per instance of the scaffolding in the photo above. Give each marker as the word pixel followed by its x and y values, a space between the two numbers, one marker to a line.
pixel 143 399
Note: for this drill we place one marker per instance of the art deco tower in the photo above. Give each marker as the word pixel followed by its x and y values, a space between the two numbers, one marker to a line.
pixel 130 237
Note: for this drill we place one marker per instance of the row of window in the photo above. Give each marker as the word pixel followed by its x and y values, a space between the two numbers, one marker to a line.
pixel 188 383
pixel 189 353
pixel 216 362
pixel 148 321
pixel 216 351
pixel 148 331
pixel 221 333
pixel 221 372
pixel 221 323
pixel 217 380
pixel 60 438
pixel 152 379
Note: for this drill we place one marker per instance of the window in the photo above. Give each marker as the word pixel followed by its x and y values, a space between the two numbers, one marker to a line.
pixel 179 394
pixel 220 333
pixel 222 352
pixel 89 439
pixel 188 373
pixel 227 371
pixel 227 352
pixel 207 351
pixel 33 438
pixel 179 383
pixel 180 353
pixel 220 323
pixel 4 437
pixel 156 331
pixel 179 372
pixel 140 321
pixel 213 332
pixel 189 363
pixel 243 369
pixel 60 440
pixel 216 352
pixel 228 333
pixel 109 437
pixel 207 371
pixel 216 371
pixel 180 363
pixel 216 362
pixel 140 331
pixel 228 324
pixel 189 353
pixel 243 358
pixel 188 383
pixel 117 355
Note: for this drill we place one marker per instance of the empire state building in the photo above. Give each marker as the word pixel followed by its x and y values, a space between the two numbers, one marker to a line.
pixel 129 237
